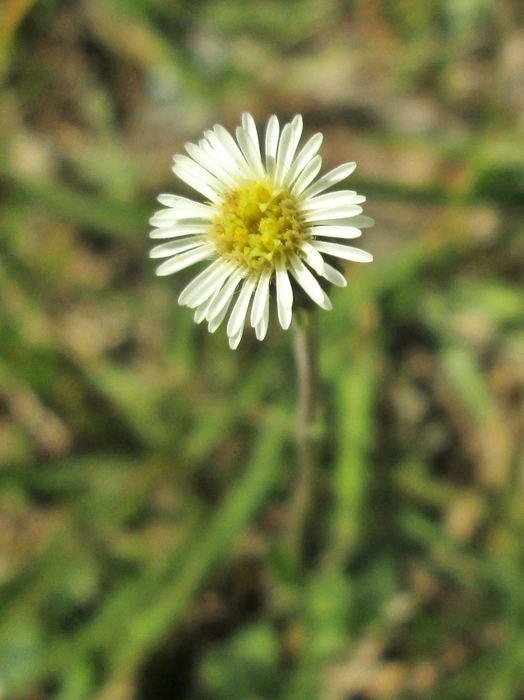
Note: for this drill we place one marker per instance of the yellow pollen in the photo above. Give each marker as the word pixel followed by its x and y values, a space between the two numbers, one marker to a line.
pixel 258 224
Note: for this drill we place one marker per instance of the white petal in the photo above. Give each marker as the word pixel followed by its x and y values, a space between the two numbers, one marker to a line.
pixel 234 340
pixel 184 163
pixel 307 175
pixel 238 315
pixel 284 316
pixel 210 163
pixel 330 178
pixel 217 319
pixel 209 287
pixel 250 153
pixel 308 282
pixel 345 252
pixel 272 133
pixel 225 296
pixel 333 213
pixel 362 221
pixel 313 257
pixel 168 217
pixel 260 298
pixel 215 322
pixel 289 139
pixel 223 155
pixel 175 200
pixel 284 296
pixel 303 158
pixel 173 247
pixel 198 183
pixel 179 262
pixel 332 275
pixel 286 151
pixel 201 311
pixel 284 290
pixel 179 230
pixel 207 278
pixel 335 231
pixel 166 199
pixel 232 148
pixel 298 125
pixel 332 199
pixel 261 330
pixel 249 125
pixel 344 221
pixel 262 325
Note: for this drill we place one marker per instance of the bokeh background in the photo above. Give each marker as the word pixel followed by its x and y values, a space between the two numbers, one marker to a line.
pixel 146 470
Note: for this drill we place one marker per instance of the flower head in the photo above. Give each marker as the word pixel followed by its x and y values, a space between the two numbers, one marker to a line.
pixel 265 220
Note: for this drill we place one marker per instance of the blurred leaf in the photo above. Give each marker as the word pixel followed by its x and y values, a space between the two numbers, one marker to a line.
pixel 237 508
pixel 11 15
pixel 356 377
pixel 110 217
pixel 245 667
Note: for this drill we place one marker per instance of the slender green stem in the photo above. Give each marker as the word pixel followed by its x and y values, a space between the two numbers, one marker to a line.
pixel 305 346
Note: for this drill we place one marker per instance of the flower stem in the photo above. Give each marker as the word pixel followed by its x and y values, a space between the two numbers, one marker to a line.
pixel 305 347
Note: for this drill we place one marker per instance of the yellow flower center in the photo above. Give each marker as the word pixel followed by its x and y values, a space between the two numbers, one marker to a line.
pixel 258 224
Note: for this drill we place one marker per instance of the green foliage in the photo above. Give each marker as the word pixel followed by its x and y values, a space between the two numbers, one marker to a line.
pixel 146 471
pixel 245 667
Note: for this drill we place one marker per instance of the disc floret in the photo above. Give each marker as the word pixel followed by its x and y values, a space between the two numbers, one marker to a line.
pixel 258 224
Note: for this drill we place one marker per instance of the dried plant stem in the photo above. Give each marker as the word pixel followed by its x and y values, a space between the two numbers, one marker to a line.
pixel 305 346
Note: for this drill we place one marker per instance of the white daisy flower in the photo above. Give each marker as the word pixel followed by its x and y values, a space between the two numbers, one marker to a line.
pixel 265 220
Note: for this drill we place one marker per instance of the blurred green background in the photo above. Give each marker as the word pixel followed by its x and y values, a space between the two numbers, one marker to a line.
pixel 146 470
